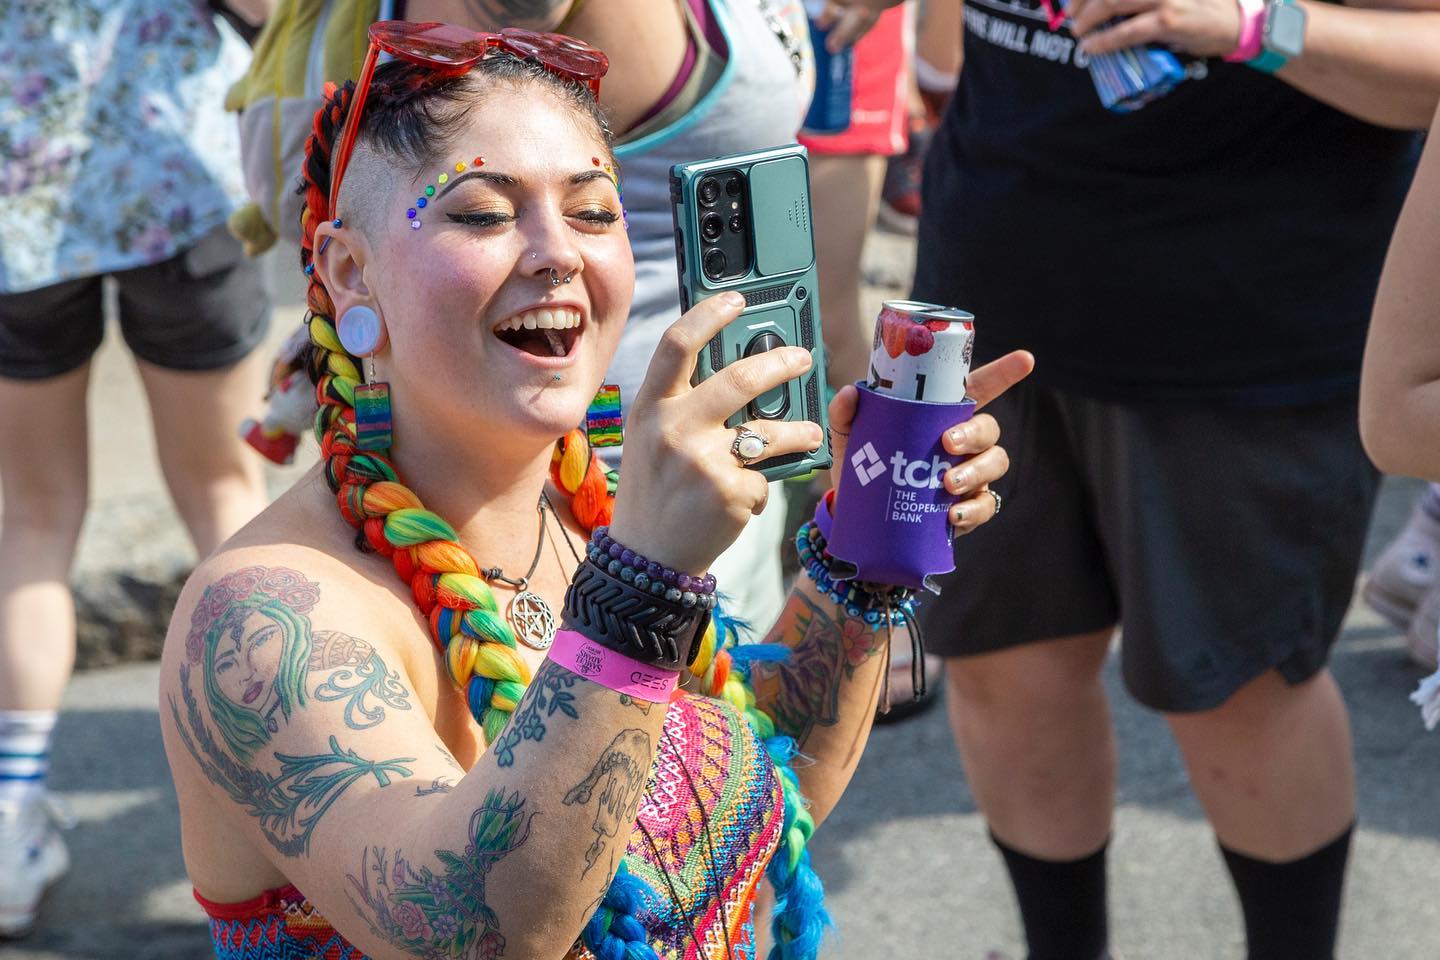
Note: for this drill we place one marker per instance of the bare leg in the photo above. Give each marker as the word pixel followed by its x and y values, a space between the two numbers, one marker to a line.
pixel 44 485
pixel 846 198
pixel 1033 727
pixel 214 478
pixel 1272 766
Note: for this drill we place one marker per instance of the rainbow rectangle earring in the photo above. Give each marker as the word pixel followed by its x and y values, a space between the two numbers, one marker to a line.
pixel 372 413
pixel 603 420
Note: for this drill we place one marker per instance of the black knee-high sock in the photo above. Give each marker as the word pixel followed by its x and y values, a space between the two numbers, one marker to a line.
pixel 1292 909
pixel 1062 903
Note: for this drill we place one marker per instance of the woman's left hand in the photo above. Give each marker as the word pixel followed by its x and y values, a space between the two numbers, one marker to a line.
pixel 1202 28
pixel 976 439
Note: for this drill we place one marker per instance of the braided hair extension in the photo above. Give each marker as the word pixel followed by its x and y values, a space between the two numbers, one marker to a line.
pixel 466 623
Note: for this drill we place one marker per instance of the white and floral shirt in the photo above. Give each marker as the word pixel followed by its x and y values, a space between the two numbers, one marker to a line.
pixel 115 148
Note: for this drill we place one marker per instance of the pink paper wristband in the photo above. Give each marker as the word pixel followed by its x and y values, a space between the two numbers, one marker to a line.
pixel 579 654
pixel 1252 27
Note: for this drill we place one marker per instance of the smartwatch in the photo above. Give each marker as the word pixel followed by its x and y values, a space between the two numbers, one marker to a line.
pixel 1283 37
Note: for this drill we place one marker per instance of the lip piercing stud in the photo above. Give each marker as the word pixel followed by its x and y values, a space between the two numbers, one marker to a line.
pixel 559 377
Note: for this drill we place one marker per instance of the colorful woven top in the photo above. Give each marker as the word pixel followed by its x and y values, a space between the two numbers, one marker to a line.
pixel 709 759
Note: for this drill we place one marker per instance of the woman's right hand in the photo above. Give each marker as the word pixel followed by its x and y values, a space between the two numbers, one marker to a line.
pixel 684 496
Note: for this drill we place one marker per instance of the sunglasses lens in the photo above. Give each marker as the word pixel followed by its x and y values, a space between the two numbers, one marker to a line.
pixel 440 44
pixel 558 52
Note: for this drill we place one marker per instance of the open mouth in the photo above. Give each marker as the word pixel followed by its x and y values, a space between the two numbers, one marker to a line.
pixel 542 332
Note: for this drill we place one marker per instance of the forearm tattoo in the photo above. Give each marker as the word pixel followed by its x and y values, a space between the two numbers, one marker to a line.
pixel 445 913
pixel 804 691
pixel 252 654
pixel 438 785
pixel 619 779
pixel 548 695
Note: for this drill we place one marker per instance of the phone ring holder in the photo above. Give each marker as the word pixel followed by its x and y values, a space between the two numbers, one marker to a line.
pixel 892 511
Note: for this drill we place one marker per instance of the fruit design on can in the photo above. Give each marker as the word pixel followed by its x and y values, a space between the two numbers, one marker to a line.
pixel 922 351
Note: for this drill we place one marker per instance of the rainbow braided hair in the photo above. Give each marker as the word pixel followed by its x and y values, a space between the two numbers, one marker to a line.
pixel 466 623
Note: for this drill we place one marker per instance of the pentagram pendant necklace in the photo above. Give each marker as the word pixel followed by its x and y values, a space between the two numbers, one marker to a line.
pixel 530 616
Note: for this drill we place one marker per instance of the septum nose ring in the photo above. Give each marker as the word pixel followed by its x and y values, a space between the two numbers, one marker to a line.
pixel 556 279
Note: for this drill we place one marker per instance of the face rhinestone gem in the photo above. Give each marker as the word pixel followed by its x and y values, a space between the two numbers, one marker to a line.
pixel 410 213
pixel 429 191
pixel 479 162
pixel 414 224
pixel 443 178
pixel 459 166
pixel 595 161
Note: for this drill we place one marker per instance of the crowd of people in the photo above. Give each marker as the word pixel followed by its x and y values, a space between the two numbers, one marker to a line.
pixel 483 683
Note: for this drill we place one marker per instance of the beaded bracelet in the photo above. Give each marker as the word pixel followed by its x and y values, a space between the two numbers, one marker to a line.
pixel 620 561
pixel 877 604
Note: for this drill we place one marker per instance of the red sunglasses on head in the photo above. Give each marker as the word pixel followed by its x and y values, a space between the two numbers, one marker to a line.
pixel 450 51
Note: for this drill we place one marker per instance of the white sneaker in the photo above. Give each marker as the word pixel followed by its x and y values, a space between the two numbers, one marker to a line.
pixel 32 858
pixel 1421 639
pixel 1406 570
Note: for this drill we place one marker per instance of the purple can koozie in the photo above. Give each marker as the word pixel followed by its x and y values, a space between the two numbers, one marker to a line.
pixel 892 511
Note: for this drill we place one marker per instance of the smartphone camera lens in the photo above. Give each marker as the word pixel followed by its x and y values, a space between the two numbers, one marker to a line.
pixel 711 225
pixel 709 191
pixel 732 186
pixel 715 264
pixel 736 224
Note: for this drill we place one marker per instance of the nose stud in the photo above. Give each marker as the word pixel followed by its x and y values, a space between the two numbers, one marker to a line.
pixel 556 279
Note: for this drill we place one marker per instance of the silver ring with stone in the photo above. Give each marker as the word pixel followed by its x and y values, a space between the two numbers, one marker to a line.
pixel 998 501
pixel 749 446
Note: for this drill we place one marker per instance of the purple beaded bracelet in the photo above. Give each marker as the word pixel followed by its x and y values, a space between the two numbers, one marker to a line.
pixel 621 562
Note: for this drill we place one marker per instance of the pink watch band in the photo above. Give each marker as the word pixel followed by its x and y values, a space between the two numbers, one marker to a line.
pixel 1252 31
pixel 579 654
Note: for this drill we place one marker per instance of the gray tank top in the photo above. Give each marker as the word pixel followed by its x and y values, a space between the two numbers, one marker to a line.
pixel 758 101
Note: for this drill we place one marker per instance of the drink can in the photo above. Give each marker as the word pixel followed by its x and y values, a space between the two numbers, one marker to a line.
pixel 921 351
pixel 834 82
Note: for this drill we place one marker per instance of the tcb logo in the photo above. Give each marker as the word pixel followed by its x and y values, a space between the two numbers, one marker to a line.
pixel 916 474
pixel 867 464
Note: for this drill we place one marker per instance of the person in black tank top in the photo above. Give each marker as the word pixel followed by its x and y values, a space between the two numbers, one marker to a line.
pixel 1195 280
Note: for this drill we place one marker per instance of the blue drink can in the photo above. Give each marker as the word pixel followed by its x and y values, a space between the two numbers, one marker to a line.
pixel 834 81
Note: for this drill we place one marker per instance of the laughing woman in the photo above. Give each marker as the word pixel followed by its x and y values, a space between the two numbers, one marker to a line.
pixel 406 765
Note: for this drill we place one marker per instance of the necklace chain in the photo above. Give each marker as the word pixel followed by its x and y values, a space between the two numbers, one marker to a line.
pixel 498 573
pixel 530 616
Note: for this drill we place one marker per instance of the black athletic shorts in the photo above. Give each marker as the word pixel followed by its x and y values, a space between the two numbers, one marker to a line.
pixel 1224 540
pixel 201 310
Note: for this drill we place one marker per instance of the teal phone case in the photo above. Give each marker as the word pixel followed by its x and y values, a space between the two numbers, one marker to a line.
pixel 778 281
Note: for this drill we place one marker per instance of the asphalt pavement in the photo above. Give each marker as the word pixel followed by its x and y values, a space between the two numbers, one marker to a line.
pixel 904 857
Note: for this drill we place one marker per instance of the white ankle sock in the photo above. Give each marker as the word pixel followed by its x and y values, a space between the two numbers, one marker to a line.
pixel 24 753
